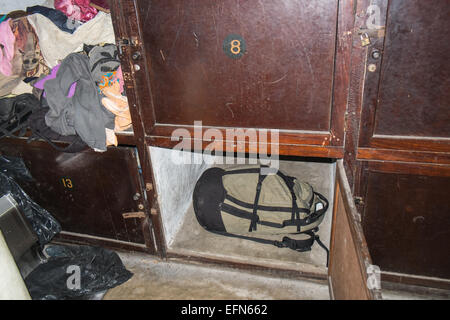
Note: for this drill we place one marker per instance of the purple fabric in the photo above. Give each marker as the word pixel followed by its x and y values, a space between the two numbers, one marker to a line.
pixel 40 84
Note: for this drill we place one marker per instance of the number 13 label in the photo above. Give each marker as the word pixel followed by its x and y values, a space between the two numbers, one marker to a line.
pixel 67 183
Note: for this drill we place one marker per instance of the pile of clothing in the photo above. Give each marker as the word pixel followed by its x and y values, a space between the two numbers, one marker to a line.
pixel 60 74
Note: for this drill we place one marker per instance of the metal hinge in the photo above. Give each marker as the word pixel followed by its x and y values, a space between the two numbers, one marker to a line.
pixel 127 42
pixel 127 76
pixel 359 200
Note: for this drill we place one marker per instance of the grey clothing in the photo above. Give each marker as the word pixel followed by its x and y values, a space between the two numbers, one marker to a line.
pixel 103 59
pixel 82 114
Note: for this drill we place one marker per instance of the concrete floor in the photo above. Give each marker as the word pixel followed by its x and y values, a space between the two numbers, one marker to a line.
pixel 155 279
pixel 397 295
pixel 164 280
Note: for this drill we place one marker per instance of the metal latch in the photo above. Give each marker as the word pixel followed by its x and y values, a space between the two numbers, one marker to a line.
pixel 138 214
pixel 121 43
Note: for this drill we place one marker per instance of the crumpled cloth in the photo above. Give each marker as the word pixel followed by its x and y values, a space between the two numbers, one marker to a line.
pixel 26 61
pixel 115 102
pixel 7 40
pixel 109 78
pixel 58 18
pixel 40 83
pixel 76 9
pixel 83 113
pixel 56 44
pixel 103 58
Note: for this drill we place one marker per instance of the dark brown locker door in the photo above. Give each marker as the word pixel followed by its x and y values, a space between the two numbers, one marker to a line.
pixel 86 192
pixel 406 218
pixel 351 273
pixel 244 64
pixel 284 72
pixel 406 102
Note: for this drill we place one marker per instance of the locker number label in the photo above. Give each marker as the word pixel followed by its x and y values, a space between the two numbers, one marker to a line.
pixel 67 183
pixel 234 46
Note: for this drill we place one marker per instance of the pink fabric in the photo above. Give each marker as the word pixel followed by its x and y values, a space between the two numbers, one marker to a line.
pixel 7 40
pixel 119 76
pixel 76 9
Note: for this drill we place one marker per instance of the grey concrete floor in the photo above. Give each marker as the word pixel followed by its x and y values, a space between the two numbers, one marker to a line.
pixel 165 280
pixel 155 279
pixel 397 295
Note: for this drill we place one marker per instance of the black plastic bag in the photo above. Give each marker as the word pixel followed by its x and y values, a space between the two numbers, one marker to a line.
pixel 15 168
pixel 43 223
pixel 99 269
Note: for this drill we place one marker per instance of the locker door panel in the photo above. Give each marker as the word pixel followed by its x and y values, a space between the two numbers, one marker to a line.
pixel 87 192
pixel 351 273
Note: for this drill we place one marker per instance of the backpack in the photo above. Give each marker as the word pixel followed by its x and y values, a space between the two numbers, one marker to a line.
pixel 25 111
pixel 14 114
pixel 241 202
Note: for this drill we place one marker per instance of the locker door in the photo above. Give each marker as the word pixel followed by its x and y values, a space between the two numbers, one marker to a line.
pixel 351 274
pixel 405 107
pixel 233 64
pixel 89 193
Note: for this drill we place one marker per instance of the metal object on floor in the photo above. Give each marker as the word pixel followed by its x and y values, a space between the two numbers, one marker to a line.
pixel 19 236
pixel 12 286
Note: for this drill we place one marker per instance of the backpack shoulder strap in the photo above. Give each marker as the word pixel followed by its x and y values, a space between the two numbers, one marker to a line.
pixel 77 145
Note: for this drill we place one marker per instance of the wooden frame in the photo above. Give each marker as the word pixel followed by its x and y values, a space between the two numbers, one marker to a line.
pixel 128 40
pixel 351 116
pixel 355 92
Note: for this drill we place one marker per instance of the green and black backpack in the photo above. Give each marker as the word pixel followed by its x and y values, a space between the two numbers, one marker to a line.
pixel 242 202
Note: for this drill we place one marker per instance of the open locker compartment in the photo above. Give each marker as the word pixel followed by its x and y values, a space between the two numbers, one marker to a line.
pixel 185 237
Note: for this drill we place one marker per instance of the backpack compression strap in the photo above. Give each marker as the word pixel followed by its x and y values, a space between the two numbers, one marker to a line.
pixel 254 218
pixel 312 218
pixel 302 245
